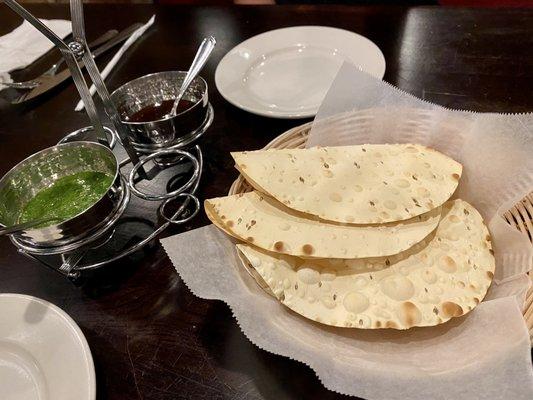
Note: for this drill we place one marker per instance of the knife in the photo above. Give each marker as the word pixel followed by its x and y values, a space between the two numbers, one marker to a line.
pixel 33 83
pixel 48 83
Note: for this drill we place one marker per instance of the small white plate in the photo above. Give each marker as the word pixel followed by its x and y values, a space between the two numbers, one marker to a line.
pixel 285 73
pixel 43 353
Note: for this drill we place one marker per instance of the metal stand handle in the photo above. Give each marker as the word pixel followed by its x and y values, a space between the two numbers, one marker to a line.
pixel 70 58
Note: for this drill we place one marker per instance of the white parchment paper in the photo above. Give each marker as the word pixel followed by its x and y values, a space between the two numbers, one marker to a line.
pixel 496 150
pixel 483 355
pixel 25 44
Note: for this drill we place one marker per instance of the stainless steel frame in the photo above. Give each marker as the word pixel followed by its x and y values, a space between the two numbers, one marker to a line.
pixel 69 257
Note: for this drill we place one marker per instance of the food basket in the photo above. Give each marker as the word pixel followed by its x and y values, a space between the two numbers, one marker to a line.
pixel 520 216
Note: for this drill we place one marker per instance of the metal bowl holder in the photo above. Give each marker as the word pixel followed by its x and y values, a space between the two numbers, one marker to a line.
pixel 68 259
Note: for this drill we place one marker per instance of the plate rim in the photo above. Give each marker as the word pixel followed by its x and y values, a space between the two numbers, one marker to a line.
pixel 273 114
pixel 73 326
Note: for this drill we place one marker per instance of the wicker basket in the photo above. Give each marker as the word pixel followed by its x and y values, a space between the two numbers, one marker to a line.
pixel 520 216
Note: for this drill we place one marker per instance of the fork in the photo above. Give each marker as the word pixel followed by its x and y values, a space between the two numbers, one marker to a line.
pixel 33 83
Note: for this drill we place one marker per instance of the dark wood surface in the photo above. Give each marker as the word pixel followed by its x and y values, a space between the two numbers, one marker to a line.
pixel 150 337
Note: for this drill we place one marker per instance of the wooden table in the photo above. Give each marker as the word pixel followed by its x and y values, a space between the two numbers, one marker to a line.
pixel 150 337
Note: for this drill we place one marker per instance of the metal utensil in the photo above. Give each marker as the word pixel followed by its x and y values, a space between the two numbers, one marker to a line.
pixel 203 53
pixel 32 83
pixel 83 53
pixel 45 83
pixel 18 228
pixel 138 34
pixel 69 52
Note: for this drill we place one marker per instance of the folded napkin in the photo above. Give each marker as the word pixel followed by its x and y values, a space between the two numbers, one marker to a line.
pixel 25 44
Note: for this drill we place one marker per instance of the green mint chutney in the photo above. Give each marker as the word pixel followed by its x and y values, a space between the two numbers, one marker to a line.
pixel 67 197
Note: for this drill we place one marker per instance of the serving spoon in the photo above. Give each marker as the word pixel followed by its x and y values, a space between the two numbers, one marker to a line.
pixel 10 230
pixel 202 54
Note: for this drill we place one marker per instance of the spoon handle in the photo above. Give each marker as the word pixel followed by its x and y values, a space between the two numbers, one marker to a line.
pixel 203 53
pixel 9 230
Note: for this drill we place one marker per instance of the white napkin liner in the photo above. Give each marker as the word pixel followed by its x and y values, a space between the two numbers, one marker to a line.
pixel 25 44
pixel 448 361
pixel 495 149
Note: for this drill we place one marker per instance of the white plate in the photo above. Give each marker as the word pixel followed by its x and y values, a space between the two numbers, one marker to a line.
pixel 286 73
pixel 43 353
